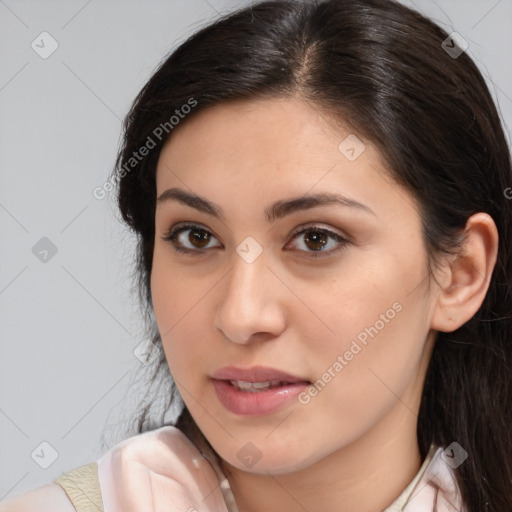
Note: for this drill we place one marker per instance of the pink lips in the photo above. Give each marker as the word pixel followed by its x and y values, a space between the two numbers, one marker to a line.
pixel 255 403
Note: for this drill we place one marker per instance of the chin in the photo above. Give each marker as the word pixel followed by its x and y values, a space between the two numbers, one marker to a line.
pixel 274 462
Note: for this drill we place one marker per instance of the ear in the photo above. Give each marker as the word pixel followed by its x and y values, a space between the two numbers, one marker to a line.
pixel 465 278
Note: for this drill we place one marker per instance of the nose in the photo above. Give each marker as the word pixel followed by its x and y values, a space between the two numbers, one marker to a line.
pixel 251 306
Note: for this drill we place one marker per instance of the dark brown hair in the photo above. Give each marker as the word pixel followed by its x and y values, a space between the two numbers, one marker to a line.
pixel 380 67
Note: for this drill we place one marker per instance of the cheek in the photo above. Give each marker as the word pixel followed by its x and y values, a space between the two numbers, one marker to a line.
pixel 177 303
pixel 376 374
pixel 174 296
pixel 373 359
pixel 365 300
pixel 374 325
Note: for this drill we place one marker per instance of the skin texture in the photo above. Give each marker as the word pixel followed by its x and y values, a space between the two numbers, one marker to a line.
pixel 353 446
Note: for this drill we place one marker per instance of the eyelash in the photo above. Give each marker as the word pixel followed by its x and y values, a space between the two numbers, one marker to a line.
pixel 173 233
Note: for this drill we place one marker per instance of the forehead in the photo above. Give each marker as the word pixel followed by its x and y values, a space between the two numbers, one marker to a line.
pixel 253 152
pixel 285 134
pixel 292 118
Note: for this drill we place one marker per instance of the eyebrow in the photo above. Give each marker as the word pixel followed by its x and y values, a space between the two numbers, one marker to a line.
pixel 276 210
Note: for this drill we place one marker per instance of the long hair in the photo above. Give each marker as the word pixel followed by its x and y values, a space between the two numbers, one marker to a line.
pixel 387 71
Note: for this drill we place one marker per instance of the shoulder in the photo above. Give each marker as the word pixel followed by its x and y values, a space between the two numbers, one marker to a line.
pixel 42 499
pixel 161 449
pixel 161 467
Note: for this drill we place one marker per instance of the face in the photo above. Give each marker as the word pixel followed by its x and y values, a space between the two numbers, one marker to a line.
pixel 335 293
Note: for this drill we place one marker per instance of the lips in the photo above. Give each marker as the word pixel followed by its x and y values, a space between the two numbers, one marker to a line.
pixel 257 374
pixel 255 387
pixel 256 391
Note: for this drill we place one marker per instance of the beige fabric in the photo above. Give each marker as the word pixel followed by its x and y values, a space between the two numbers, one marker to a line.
pixel 82 487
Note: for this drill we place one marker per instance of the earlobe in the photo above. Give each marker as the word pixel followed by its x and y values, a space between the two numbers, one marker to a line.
pixel 468 275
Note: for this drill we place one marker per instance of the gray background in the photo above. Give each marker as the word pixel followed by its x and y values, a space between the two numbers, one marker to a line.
pixel 69 325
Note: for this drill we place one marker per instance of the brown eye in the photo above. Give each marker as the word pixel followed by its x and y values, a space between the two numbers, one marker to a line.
pixel 190 239
pixel 199 238
pixel 316 240
pixel 319 242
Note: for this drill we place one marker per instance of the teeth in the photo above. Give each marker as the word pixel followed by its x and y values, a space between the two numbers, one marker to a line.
pixel 254 387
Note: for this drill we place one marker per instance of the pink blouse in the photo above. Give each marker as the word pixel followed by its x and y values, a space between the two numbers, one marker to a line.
pixel 163 470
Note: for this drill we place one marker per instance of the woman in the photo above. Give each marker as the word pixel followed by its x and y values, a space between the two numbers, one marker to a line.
pixel 319 191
